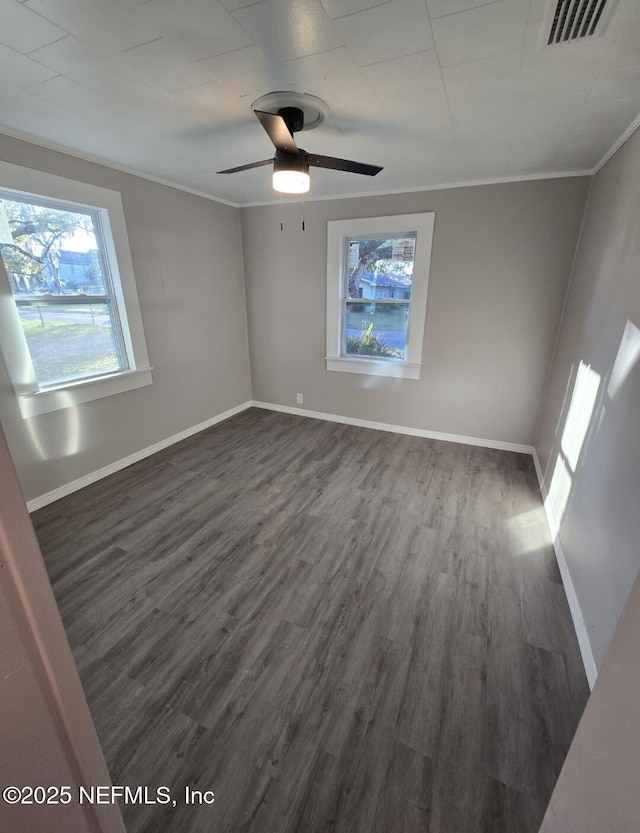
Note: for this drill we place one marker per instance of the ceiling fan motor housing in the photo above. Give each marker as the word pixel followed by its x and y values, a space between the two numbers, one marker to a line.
pixel 294 118
pixel 284 161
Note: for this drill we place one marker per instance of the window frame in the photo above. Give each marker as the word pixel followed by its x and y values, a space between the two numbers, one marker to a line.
pixel 420 224
pixel 106 204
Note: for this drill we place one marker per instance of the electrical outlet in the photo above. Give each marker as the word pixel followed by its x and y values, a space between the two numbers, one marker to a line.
pixel 299 398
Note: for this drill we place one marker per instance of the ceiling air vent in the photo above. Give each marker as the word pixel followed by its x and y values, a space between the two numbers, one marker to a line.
pixel 568 21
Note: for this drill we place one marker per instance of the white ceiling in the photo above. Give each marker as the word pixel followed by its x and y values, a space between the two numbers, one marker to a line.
pixel 436 91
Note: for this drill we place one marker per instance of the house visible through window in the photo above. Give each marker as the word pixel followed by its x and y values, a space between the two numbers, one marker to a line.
pixel 62 286
pixel 380 272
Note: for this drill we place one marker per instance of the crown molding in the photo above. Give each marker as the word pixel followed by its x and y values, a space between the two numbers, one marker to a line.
pixel 635 124
pixel 97 160
pixel 443 186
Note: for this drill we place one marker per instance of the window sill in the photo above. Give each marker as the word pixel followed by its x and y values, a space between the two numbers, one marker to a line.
pixel 374 367
pixel 76 393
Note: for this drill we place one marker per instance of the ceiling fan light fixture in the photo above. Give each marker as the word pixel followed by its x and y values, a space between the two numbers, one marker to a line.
pixel 291 182
pixel 290 173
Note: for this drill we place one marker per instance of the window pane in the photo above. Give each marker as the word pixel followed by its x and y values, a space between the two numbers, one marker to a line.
pixel 376 329
pixel 381 267
pixel 53 251
pixel 70 341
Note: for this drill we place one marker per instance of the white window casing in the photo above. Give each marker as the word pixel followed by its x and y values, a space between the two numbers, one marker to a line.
pixel 107 204
pixel 337 231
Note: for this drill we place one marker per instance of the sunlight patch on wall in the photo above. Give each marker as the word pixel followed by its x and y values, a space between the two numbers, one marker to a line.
pixel 626 358
pixel 65 441
pixel 559 490
pixel 583 401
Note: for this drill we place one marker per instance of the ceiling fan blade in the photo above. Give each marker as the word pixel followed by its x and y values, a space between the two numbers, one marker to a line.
pixel 246 167
pixel 277 131
pixel 342 165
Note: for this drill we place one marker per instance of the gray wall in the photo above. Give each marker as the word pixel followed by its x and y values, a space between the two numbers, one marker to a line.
pixel 600 530
pixel 501 259
pixel 187 260
pixel 597 790
pixel 48 737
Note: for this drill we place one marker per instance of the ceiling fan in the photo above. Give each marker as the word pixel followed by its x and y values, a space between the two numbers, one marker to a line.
pixel 295 112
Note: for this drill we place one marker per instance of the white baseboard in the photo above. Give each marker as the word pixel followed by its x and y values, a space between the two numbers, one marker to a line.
pixel 398 429
pixel 105 471
pixel 588 659
pixel 117 465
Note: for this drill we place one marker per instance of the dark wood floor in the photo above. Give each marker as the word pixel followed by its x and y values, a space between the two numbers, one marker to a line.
pixel 332 628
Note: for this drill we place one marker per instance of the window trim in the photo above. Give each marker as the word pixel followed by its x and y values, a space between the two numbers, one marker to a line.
pixel 337 230
pixel 32 400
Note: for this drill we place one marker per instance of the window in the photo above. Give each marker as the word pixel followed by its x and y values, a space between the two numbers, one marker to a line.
pixel 377 278
pixel 70 325
pixel 62 289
